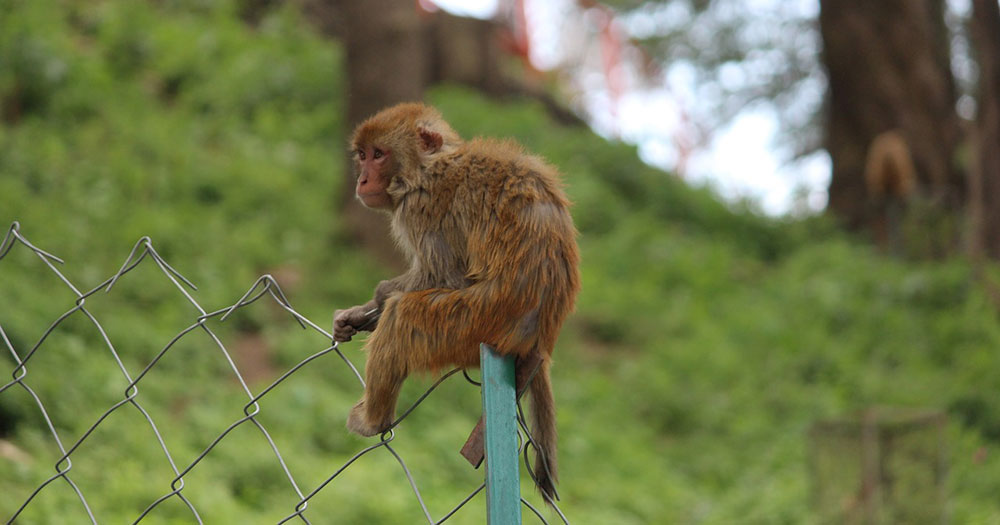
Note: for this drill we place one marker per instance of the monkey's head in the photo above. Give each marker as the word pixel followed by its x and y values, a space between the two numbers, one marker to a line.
pixel 392 148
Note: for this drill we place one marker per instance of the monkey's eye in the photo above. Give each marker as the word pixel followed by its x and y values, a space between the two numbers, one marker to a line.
pixel 377 154
pixel 361 154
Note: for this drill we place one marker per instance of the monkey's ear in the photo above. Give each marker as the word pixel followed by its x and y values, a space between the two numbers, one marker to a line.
pixel 430 140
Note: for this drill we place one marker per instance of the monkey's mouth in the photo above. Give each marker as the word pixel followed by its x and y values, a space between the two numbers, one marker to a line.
pixel 373 196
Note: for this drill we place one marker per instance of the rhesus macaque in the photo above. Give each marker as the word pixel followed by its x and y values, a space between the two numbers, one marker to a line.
pixel 889 170
pixel 493 259
pixel 891 180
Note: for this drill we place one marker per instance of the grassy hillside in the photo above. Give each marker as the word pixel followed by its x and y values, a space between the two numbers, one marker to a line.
pixel 706 342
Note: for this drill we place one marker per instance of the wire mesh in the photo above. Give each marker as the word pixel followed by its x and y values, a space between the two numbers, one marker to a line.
pixel 265 285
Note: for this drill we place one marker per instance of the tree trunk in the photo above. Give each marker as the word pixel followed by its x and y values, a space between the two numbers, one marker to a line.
pixel 888 68
pixel 386 64
pixel 986 173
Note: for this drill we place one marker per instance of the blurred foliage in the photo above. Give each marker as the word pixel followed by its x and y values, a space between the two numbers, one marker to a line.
pixel 738 55
pixel 707 338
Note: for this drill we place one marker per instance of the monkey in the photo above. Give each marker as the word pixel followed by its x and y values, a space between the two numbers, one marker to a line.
pixel 493 259
pixel 889 167
pixel 890 178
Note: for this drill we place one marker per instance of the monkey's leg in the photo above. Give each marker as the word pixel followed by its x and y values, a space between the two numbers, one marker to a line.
pixel 429 330
pixel 384 375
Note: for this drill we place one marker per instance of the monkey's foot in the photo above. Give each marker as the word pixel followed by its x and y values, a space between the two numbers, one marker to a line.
pixel 359 423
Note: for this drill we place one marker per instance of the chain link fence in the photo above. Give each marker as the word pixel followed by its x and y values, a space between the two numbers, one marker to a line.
pixel 250 417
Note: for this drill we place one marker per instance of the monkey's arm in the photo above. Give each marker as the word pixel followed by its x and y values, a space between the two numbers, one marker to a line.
pixel 386 288
pixel 364 318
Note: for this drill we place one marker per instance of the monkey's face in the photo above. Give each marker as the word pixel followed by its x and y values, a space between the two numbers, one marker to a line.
pixel 375 172
pixel 393 147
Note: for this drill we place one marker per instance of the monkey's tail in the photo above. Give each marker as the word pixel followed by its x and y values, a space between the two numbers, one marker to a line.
pixel 543 434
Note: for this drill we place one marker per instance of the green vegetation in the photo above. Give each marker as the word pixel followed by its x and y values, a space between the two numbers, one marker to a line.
pixel 706 342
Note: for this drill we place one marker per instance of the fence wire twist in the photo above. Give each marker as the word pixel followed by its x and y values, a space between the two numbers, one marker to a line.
pixel 265 285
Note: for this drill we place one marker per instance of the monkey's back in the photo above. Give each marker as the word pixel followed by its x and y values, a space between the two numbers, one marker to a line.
pixel 520 237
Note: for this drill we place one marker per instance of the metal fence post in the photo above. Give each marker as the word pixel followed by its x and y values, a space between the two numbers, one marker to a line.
pixel 503 490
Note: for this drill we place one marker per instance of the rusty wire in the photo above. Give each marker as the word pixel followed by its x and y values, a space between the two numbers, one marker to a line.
pixel 265 285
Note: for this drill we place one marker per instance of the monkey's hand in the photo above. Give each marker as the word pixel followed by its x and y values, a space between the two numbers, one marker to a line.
pixel 347 323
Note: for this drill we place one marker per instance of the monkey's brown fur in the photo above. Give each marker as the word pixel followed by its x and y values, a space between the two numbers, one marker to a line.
pixel 891 180
pixel 889 170
pixel 493 258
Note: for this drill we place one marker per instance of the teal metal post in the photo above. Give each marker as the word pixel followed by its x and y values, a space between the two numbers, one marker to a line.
pixel 503 481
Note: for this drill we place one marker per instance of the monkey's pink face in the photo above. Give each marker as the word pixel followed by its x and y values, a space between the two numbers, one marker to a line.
pixel 374 176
